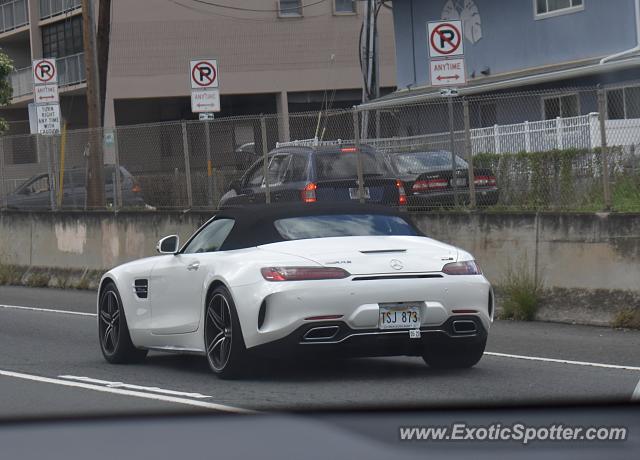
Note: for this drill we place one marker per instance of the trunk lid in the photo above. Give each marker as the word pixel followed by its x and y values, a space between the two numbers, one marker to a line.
pixel 368 255
pixel 377 190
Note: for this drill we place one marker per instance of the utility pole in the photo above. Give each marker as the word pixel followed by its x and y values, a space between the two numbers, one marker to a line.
pixel 104 32
pixel 95 181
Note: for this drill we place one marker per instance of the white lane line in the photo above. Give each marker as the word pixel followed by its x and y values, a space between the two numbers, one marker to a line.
pixel 564 361
pixel 120 391
pixel 131 386
pixel 636 393
pixel 49 310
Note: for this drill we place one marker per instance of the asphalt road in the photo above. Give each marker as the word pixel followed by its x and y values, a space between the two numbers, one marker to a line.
pixel 50 365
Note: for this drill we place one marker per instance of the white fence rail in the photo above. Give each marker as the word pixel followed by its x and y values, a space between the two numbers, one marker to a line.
pixel 582 132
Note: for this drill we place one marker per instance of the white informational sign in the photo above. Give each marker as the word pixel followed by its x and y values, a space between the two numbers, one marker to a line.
pixel 204 74
pixel 33 119
pixel 48 119
pixel 205 100
pixel 206 116
pixel 46 94
pixel 45 72
pixel 447 72
pixel 445 39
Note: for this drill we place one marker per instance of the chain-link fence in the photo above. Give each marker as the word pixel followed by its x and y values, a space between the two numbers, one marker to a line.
pixel 569 150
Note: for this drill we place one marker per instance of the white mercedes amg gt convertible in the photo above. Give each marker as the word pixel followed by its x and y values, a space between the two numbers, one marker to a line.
pixel 281 280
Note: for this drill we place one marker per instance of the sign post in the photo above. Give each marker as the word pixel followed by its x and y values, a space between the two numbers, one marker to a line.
pixel 205 101
pixel 447 70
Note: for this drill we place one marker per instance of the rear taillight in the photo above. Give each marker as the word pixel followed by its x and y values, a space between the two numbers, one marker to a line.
pixel 402 195
pixel 429 184
pixel 349 149
pixel 135 188
pixel 308 193
pixel 468 267
pixel 485 181
pixel 303 273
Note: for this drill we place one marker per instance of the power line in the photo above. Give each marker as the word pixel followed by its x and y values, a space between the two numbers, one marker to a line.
pixel 253 10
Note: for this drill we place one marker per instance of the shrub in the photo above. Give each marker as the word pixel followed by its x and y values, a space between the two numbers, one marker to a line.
pixel 627 318
pixel 522 292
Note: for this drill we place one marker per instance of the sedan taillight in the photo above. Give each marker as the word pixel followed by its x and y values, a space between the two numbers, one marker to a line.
pixel 468 267
pixel 429 184
pixel 402 195
pixel 308 193
pixel 303 273
pixel 485 181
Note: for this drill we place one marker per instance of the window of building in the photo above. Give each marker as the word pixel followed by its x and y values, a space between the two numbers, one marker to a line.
pixel 560 106
pixel 623 103
pixel 62 38
pixel 344 6
pixel 547 8
pixel 290 8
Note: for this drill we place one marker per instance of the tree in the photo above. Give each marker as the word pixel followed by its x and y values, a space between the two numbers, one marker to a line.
pixel 6 67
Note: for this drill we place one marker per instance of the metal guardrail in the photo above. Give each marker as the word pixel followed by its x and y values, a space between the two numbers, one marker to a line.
pixel 21 81
pixel 13 14
pixel 71 69
pixel 49 8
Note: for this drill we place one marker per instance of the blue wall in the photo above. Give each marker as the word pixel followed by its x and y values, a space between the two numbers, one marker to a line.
pixel 511 38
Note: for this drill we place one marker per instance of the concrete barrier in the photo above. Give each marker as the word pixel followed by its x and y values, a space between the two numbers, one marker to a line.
pixel 590 263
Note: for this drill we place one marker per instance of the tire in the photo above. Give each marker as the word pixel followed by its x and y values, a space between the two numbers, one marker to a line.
pixel 455 355
pixel 224 345
pixel 113 332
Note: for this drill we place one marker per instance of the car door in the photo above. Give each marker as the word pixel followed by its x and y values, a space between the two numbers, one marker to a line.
pixel 277 176
pixel 177 283
pixel 295 179
pixel 34 195
pixel 250 186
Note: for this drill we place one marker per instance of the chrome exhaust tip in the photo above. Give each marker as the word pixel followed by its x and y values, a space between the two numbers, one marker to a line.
pixel 321 333
pixel 464 327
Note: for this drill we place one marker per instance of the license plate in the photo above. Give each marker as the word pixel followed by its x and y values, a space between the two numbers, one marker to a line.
pixel 353 193
pixel 399 316
pixel 460 182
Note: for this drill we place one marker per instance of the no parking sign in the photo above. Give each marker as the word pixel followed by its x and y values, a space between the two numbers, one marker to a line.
pixel 445 39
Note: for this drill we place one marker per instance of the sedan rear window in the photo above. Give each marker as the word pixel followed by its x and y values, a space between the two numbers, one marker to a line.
pixel 343 165
pixel 419 162
pixel 299 228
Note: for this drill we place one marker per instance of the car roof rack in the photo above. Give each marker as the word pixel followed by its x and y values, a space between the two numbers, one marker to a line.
pixel 314 142
pixel 385 144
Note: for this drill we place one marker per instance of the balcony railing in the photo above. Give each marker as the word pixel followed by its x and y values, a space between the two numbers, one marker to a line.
pixel 21 81
pixel 13 14
pixel 50 8
pixel 71 69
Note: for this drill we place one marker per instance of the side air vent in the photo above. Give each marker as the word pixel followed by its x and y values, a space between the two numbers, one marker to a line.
pixel 141 288
pixel 394 277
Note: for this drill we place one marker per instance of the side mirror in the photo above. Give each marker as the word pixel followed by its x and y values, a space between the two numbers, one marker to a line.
pixel 168 244
pixel 236 186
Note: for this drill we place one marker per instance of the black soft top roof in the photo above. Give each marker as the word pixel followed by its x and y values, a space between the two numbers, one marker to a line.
pixel 254 223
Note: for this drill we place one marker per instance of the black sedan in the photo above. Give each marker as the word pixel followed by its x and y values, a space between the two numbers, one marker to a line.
pixel 428 179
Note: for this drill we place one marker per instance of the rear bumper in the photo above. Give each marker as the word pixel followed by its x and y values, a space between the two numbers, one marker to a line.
pixel 486 196
pixel 348 342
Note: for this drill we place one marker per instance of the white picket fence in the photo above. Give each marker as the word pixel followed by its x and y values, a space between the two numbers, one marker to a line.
pixel 582 132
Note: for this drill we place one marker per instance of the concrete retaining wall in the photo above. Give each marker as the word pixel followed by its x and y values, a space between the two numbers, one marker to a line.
pixel 590 263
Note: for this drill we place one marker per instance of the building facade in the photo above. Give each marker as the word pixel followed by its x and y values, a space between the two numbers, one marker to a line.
pixel 527 45
pixel 276 56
